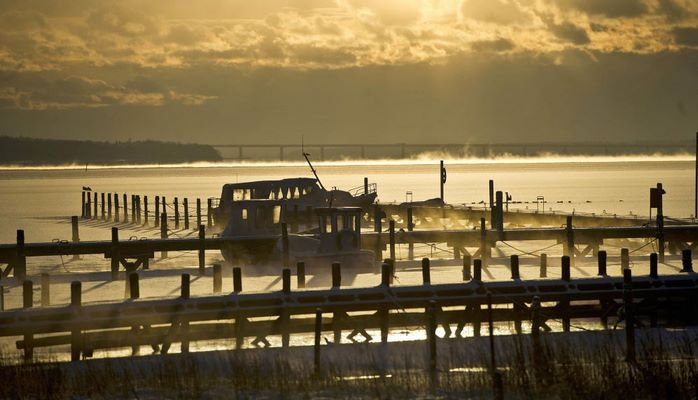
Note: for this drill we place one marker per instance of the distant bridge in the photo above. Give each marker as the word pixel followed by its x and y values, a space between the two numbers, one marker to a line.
pixel 406 150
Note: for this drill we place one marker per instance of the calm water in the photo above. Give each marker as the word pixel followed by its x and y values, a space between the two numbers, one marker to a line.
pixel 35 199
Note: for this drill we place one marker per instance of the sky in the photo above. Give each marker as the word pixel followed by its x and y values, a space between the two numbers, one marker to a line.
pixel 338 71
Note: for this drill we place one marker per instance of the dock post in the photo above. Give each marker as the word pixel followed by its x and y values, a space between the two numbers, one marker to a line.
pixel 75 334
pixel 285 245
pixel 467 260
pixel 629 315
pixel 184 325
pixel 45 290
pixel 125 209
pixel 237 280
pixel 601 259
pixel 103 205
pixel 284 318
pixel 88 206
pixel 75 232
pixel 391 264
pixel 134 293
pixel 157 211
pixel 653 266
pixel 543 265
pixel 391 234
pixel 163 231
pixel 624 260
pixel 686 261
pixel 565 303
pixel 115 256
pixel 378 228
pixel 498 215
pixel 83 205
pixel 660 223
pixel 569 240
pixel 209 213
pixel 300 274
pixel 198 212
pixel 139 214
pixel 565 268
pixel 431 334
pixel 186 286
pixel 426 271
pixel 134 209
pixel 286 280
pixel 484 246
pixel 410 228
pixel 185 205
pixel 163 200
pixel 145 210
pixel 202 250
pixel 217 278
pixel 442 179
pixel 386 273
pixel 109 206
pixel 116 207
pixel 20 267
pixel 477 270
pixel 365 183
pixel 176 212
pixel 491 196
pixel 514 265
pixel 316 346
pixel 336 275
pixel 28 302
pixel 94 215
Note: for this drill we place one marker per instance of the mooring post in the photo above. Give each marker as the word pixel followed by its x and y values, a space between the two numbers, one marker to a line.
pixel 185 205
pixel 410 228
pixel 686 261
pixel 565 268
pixel 28 302
pixel 286 280
pixel 629 315
pixel 442 180
pixel 134 289
pixel 514 265
pixel 569 242
pixel 115 255
pixel 217 278
pixel 184 325
pixel 391 263
pixel 2 298
pixel 477 270
pixel 467 260
pixel 139 212
pixel 543 265
pixel 198 212
pixel 83 205
pixel 391 233
pixel 565 303
pixel 116 207
pixel 336 275
pixel 365 184
pixel 385 274
pixel 660 222
pixel 145 210
pixel 431 334
pixel 202 250
pixel 185 291
pixel 601 258
pixel 75 232
pixel 94 214
pixel 109 206
pixel 624 260
pixel 378 228
pixel 75 334
pixel 45 289
pixel 134 208
pixel 209 213
pixel 88 206
pixel 484 246
pixel 316 346
pixel 20 267
pixel 285 245
pixel 237 280
pixel 125 208
pixel 103 205
pixel 284 318
pixel 300 274
pixel 653 266
pixel 163 231
pixel 498 214
pixel 491 203
pixel 157 211
pixel 176 212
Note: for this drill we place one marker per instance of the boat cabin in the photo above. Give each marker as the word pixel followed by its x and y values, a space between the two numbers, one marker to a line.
pixel 340 229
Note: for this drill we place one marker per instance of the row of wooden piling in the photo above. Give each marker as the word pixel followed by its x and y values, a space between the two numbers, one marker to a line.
pixel 105 206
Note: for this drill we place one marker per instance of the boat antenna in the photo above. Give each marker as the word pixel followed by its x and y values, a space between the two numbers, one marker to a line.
pixel 313 169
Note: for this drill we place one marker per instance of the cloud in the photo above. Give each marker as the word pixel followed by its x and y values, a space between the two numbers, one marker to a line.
pixel 495 11
pixel 493 45
pixel 686 36
pixel 608 8
pixel 570 32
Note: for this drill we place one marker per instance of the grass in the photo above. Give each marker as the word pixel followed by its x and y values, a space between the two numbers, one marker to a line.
pixel 559 368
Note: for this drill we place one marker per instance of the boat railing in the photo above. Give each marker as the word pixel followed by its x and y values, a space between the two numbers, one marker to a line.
pixel 360 190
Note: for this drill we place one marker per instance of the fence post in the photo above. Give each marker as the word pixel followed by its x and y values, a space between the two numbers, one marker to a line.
pixel 75 334
pixel 202 250
pixel 300 274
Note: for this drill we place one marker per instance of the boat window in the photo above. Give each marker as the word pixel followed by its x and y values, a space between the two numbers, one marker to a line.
pixel 277 214
pixel 350 222
pixel 340 224
pixel 328 225
pixel 244 214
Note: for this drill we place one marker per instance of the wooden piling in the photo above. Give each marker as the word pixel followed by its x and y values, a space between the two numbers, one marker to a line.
pixel 115 254
pixel 284 318
pixel 202 250
pixel 336 275
pixel 601 259
pixel 217 278
pixel 164 233
pixel 20 264
pixel 629 315
pixel 185 205
pixel 426 272
pixel 198 212
pixel 491 192
pixel 134 209
pixel 410 228
pixel 386 273
pixel 653 266
pixel 103 206
pixel 391 264
pixel 378 228
pixel 300 274
pixel 237 280
pixel 28 302
pixel 134 288
pixel 660 223
pixel 569 240
pixel 157 211
pixel 109 207
pixel 624 260
pixel 565 268
pixel 176 212
pixel 75 229
pixel 477 270
pixel 76 334
pixel 83 214
pixel 431 333
pixel 209 213
pixel 146 214
pixel 316 345
pixel 125 209
pixel 2 298
pixel 286 280
pixel 45 290
pixel 285 245
pixel 543 265
pixel 139 210
pixel 184 324
pixel 116 208
pixel 484 246
pixel 88 206
pixel 467 260
pixel 185 291
pixel 686 261
pixel 94 214
pixel 514 265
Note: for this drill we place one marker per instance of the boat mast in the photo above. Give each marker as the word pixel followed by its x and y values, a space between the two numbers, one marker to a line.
pixel 313 169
